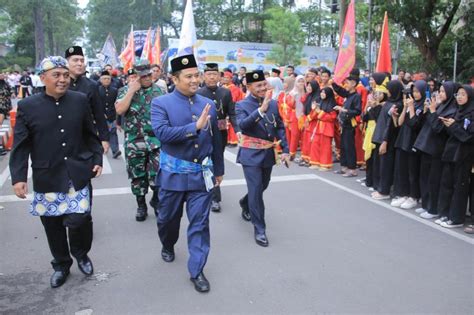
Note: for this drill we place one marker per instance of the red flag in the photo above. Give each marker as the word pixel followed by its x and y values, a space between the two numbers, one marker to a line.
pixel 347 47
pixel 156 49
pixel 384 59
pixel 128 54
pixel 146 52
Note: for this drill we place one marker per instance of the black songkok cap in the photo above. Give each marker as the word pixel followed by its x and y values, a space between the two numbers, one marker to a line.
pixel 254 76
pixel 355 72
pixel 275 70
pixel 353 78
pixel 73 50
pixel 105 72
pixel 211 67
pixel 183 62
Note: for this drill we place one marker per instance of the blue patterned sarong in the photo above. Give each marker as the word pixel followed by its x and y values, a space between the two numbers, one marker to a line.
pixel 57 203
pixel 174 165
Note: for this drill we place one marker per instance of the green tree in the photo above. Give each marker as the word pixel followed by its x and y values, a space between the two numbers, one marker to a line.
pixel 319 26
pixel 60 19
pixel 116 16
pixel 285 32
pixel 425 23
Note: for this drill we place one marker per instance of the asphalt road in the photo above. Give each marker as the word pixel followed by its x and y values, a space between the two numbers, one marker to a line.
pixel 332 250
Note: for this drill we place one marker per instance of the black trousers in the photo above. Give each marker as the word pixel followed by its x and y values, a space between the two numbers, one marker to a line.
pixel 471 198
pixel 258 179
pixel 454 190
pixel 425 166
pixel 348 150
pixel 383 170
pixel 369 170
pixel 434 180
pixel 217 195
pixel 79 230
pixel 401 184
pixel 406 174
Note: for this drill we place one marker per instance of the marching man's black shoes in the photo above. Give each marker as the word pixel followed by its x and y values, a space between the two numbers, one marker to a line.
pixel 167 255
pixel 245 210
pixel 201 284
pixel 58 278
pixel 261 239
pixel 85 266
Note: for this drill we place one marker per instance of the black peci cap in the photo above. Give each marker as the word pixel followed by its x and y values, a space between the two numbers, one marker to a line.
pixel 73 50
pixel 211 67
pixel 275 70
pixel 254 76
pixel 183 62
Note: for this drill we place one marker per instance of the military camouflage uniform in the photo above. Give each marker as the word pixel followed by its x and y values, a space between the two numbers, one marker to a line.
pixel 5 102
pixel 141 146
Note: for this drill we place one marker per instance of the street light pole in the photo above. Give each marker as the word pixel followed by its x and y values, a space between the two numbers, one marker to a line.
pixel 455 60
pixel 397 55
pixel 369 46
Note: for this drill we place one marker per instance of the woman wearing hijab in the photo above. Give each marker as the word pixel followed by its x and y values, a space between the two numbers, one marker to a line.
pixel 294 101
pixel 457 158
pixel 283 107
pixel 431 141
pixel 378 83
pixel 384 138
pixel 323 133
pixel 407 161
pixel 312 97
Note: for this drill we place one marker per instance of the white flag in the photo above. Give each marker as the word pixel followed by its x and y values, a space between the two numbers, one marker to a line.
pixel 109 52
pixel 187 38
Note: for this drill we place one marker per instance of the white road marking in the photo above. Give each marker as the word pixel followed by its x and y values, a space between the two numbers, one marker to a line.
pixel 288 178
pixel 106 168
pixel 121 148
pixel 126 190
pixel 397 210
pixel 4 176
pixel 231 157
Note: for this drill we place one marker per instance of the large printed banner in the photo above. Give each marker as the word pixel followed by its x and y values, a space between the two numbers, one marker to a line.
pixel 252 55
pixel 139 38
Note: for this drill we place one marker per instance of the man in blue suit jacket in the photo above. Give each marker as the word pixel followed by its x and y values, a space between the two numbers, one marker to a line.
pixel 191 165
pixel 261 125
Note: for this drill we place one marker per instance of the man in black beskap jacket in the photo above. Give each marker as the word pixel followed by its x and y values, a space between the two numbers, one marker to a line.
pixel 80 83
pixel 225 108
pixel 108 96
pixel 347 114
pixel 55 129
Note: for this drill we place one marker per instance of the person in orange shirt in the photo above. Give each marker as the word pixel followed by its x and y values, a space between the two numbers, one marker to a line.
pixel 312 97
pixel 325 78
pixel 283 107
pixel 311 74
pixel 237 95
pixel 321 145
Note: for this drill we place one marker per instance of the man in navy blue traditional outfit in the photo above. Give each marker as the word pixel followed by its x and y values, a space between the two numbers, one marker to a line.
pixel 191 165
pixel 260 124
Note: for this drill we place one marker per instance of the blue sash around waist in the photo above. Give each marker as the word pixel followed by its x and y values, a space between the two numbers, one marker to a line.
pixel 177 166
